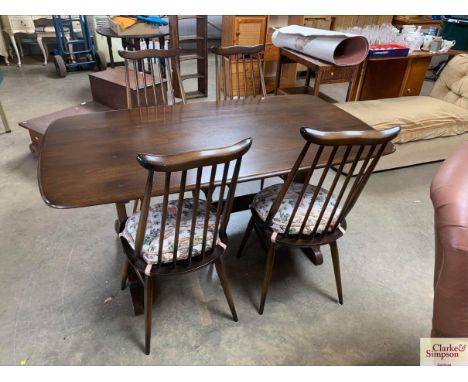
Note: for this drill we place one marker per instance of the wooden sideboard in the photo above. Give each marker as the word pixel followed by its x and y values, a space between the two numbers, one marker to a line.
pixel 394 76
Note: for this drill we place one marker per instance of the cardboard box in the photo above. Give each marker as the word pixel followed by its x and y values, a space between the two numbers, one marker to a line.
pixel 138 29
pixel 388 50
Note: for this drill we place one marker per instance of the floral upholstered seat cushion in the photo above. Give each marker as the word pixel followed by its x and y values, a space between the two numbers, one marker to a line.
pixel 263 201
pixel 151 242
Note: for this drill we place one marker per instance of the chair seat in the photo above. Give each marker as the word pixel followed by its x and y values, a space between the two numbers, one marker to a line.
pixel 151 242
pixel 263 201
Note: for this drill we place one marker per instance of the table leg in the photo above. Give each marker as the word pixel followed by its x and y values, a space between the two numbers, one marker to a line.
pixel 162 42
pixel 314 254
pixel 163 63
pixel 125 43
pixel 40 42
pixel 357 84
pixel 136 289
pixel 278 74
pixel 20 47
pixel 111 54
pixel 13 42
pixel 318 78
pixel 308 75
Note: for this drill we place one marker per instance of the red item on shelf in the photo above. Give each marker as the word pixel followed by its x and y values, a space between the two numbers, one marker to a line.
pixel 388 50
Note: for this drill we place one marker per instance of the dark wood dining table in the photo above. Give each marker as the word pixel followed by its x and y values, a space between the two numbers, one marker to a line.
pixel 89 160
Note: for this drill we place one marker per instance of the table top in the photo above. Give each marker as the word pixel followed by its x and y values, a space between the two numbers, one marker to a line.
pixel 108 32
pixel 91 159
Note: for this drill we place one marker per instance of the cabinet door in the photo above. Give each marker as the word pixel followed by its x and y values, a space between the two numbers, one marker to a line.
pixel 249 30
pixel 414 76
pixel 383 78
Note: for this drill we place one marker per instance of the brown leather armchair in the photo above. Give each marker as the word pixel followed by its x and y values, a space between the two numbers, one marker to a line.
pixel 449 194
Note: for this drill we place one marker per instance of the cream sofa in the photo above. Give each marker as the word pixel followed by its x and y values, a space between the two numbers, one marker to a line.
pixel 431 126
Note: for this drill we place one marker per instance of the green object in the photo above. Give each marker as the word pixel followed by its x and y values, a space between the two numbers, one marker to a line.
pixel 2 112
pixel 453 29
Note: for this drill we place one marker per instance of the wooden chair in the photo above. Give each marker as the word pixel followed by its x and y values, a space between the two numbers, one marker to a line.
pixel 183 235
pixel 152 77
pixel 239 72
pixel 297 214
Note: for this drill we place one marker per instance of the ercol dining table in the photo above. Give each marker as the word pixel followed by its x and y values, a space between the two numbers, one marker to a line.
pixel 89 160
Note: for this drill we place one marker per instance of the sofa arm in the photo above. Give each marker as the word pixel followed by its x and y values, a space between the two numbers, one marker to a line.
pixel 449 194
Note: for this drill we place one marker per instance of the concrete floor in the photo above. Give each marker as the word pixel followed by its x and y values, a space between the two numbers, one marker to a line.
pixel 60 301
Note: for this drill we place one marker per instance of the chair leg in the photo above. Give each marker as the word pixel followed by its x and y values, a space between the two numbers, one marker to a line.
pixel 148 312
pixel 123 280
pixel 267 277
pixel 226 289
pixel 262 184
pixel 336 269
pixel 248 230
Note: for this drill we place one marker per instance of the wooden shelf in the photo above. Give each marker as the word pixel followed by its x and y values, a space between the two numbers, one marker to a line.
pixel 186 57
pixel 190 38
pixel 200 53
pixel 192 75
pixel 187 17
pixel 194 94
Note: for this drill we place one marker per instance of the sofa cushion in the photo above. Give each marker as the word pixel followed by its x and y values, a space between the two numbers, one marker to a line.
pixel 151 242
pixel 419 117
pixel 263 201
pixel 452 84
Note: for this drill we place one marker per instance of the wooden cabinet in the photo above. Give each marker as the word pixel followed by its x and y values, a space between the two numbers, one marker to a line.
pixel 243 30
pixel 394 76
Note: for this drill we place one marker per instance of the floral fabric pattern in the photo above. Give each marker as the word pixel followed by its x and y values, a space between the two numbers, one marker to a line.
pixel 263 201
pixel 151 242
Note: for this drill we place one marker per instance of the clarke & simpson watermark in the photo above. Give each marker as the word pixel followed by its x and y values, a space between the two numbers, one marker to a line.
pixel 444 351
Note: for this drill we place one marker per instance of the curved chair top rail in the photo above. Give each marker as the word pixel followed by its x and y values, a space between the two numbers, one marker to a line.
pixel 336 138
pixel 237 49
pixel 149 53
pixel 192 159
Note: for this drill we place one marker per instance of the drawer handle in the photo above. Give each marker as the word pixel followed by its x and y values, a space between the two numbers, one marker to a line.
pixel 332 74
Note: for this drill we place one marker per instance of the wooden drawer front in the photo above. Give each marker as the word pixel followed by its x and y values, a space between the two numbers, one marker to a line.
pixel 18 23
pixel 271 52
pixel 338 74
pixel 237 81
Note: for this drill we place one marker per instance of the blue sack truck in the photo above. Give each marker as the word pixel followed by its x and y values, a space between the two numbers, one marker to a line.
pixel 75 48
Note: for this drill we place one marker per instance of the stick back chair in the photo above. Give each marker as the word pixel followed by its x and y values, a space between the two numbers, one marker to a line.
pixel 298 214
pixel 239 72
pixel 152 77
pixel 184 234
